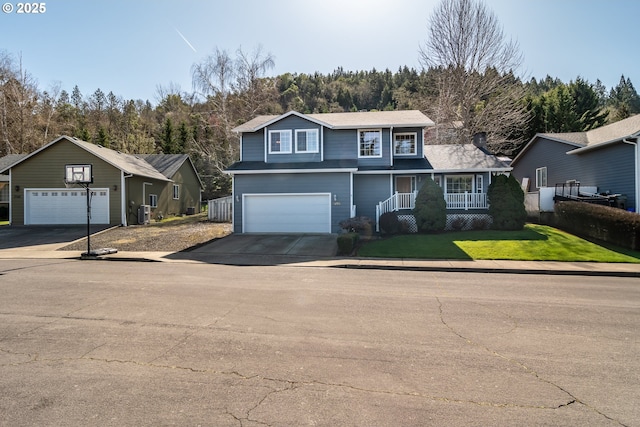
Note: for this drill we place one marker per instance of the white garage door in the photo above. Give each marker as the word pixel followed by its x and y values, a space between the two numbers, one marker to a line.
pixel 65 206
pixel 287 213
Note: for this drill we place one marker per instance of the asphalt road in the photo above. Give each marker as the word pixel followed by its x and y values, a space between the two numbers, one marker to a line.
pixel 123 343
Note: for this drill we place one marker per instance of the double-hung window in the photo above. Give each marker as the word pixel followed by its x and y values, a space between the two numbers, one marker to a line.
pixel 541 177
pixel 153 200
pixel 279 142
pixel 404 144
pixel 176 192
pixel 370 143
pixel 307 141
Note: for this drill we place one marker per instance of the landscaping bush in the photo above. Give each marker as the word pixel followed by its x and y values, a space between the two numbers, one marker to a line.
pixel 347 243
pixel 359 224
pixel 389 223
pixel 506 203
pixel 479 223
pixel 431 207
pixel 605 223
pixel 458 223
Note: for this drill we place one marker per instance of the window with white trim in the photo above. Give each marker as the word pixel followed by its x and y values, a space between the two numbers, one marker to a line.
pixel 459 184
pixel 279 142
pixel 307 141
pixel 404 144
pixel 153 200
pixel 479 184
pixel 541 177
pixel 176 192
pixel 370 143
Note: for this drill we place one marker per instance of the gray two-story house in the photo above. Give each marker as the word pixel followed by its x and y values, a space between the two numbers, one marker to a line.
pixel 307 172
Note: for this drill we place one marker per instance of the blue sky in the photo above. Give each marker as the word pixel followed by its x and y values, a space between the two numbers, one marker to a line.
pixel 132 46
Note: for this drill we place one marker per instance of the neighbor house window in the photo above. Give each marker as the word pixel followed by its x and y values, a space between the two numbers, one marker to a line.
pixel 4 193
pixel 370 143
pixel 176 192
pixel 404 144
pixel 459 184
pixel 153 200
pixel 541 177
pixel 279 141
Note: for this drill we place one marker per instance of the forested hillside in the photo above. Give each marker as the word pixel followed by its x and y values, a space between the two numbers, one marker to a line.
pixel 230 90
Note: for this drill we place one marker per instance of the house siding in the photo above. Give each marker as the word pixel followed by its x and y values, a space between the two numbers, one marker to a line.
pixel 368 191
pixel 253 147
pixel 46 170
pixel 340 144
pixel 611 168
pixel 338 184
pixel 294 123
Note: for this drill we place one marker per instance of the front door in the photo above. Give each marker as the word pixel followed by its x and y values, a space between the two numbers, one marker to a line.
pixel 405 184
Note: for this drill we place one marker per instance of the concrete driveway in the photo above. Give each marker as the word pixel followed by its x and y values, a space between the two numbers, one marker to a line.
pixel 263 249
pixel 51 236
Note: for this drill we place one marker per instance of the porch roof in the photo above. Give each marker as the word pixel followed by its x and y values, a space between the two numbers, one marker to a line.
pixel 462 157
pixel 348 165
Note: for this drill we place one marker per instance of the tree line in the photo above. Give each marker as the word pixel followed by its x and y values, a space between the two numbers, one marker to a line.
pixel 229 89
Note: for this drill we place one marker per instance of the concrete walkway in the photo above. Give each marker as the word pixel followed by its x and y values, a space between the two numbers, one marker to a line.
pixel 204 256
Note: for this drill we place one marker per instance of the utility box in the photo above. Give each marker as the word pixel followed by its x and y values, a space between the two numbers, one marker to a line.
pixel 144 214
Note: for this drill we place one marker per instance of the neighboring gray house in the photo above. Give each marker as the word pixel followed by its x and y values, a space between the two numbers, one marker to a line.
pixel 307 172
pixel 606 159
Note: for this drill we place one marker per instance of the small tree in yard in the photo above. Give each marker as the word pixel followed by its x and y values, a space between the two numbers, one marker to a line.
pixel 431 208
pixel 506 203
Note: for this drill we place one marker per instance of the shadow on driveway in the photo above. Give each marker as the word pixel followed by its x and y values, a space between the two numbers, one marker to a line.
pixel 12 236
pixel 263 249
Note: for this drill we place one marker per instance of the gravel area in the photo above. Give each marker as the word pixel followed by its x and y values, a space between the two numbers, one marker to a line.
pixel 168 236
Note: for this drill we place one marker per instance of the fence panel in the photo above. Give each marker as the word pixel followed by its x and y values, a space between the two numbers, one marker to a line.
pixel 221 210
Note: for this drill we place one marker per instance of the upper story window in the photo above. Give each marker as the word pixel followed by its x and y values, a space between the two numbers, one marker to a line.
pixel 307 141
pixel 279 141
pixel 404 144
pixel 370 143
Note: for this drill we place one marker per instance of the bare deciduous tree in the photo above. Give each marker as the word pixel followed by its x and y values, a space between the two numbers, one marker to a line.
pixel 475 64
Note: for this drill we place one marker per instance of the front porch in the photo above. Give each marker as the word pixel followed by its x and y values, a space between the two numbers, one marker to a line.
pixel 407 201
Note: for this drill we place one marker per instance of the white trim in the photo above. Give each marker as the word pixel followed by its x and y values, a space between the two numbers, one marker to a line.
pixel 283 131
pixel 245 195
pixel 123 201
pixel 391 157
pixel 241 137
pixel 473 183
pixel 321 143
pixel 380 142
pixel 266 144
pixel 543 174
pixel 272 171
pixel 432 171
pixel 415 144
pixel 306 131
pixel 173 192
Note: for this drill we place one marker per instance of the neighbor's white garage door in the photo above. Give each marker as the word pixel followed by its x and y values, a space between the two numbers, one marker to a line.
pixel 287 213
pixel 65 206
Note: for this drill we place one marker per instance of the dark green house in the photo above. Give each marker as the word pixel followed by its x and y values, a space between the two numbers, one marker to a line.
pixel 126 189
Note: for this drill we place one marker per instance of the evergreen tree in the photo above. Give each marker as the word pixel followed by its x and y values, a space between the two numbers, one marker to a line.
pixel 624 99
pixel 430 207
pixel 168 140
pixel 506 203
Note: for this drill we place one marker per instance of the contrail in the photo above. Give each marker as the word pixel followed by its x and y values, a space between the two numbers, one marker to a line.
pixel 185 40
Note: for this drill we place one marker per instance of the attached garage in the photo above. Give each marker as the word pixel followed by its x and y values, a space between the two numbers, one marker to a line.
pixel 286 213
pixel 65 206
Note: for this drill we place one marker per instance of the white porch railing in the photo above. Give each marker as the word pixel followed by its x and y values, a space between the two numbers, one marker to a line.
pixel 220 210
pixel 466 201
pixel 462 201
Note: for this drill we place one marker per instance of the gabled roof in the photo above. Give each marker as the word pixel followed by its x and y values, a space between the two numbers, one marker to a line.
pixel 462 157
pixel 357 120
pixel 169 164
pixel 128 163
pixel 9 160
pixel 592 139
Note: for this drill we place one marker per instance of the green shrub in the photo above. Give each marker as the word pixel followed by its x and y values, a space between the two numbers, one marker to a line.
pixel 358 224
pixel 347 243
pixel 479 223
pixel 458 223
pixel 506 203
pixel 389 223
pixel 605 223
pixel 431 207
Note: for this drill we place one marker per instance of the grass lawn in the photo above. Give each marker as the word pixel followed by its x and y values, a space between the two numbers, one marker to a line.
pixel 4 222
pixel 534 243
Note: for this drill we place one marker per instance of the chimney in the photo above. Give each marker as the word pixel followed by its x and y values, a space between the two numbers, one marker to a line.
pixel 480 140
